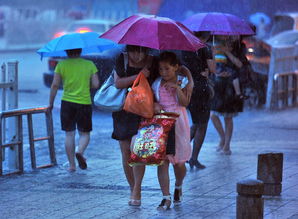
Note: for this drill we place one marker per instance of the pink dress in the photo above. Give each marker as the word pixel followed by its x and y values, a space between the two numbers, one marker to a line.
pixel 169 102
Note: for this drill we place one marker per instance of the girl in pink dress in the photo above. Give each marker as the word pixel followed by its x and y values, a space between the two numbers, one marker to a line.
pixel 171 97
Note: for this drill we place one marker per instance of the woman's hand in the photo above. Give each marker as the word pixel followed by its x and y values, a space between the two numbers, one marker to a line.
pixel 205 73
pixel 146 72
pixel 157 108
pixel 224 74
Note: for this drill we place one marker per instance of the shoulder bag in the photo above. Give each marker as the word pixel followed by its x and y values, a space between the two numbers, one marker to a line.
pixel 108 97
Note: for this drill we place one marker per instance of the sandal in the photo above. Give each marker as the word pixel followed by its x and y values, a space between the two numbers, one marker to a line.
pixel 195 163
pixel 134 202
pixel 81 161
pixel 178 195
pixel 226 152
pixel 165 203
pixel 219 149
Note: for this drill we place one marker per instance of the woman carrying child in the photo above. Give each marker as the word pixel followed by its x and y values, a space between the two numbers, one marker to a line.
pixel 170 95
pixel 228 100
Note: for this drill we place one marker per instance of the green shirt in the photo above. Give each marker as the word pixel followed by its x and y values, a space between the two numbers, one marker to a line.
pixel 76 76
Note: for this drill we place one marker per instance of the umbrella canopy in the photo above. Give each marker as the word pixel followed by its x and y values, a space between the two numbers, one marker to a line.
pixel 258 18
pixel 153 32
pixel 88 42
pixel 218 24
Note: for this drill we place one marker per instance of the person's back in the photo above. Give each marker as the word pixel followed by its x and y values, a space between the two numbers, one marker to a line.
pixel 76 74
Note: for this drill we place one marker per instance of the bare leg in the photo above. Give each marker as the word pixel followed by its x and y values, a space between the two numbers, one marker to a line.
pixel 228 133
pixel 218 126
pixel 193 130
pixel 180 172
pixel 163 178
pixel 138 173
pixel 236 85
pixel 70 149
pixel 164 182
pixel 125 150
pixel 83 141
pixel 198 140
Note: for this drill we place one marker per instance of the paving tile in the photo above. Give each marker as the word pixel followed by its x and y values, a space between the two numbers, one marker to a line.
pixel 102 191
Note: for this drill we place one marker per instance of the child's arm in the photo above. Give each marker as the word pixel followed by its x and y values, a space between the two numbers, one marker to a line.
pixel 183 99
pixel 189 87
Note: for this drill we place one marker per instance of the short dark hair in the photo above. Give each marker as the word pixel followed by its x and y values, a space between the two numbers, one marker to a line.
pixel 73 52
pixel 169 57
pixel 133 48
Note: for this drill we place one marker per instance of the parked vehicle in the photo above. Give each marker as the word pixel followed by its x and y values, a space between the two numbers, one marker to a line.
pixel 88 25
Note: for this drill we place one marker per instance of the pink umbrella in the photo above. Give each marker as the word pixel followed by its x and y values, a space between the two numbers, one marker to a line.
pixel 218 24
pixel 153 32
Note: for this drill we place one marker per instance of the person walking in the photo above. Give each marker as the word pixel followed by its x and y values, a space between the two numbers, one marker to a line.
pixel 200 64
pixel 125 124
pixel 170 97
pixel 225 102
pixel 77 75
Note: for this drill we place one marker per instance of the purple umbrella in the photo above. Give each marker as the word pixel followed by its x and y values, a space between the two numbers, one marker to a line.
pixel 153 32
pixel 218 24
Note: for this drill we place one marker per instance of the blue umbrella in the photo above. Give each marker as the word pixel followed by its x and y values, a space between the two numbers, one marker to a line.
pixel 89 43
pixel 259 17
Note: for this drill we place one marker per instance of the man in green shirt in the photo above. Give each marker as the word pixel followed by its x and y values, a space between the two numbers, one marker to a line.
pixel 78 75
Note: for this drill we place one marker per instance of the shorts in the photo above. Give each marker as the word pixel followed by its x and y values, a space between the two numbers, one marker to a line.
pixel 74 115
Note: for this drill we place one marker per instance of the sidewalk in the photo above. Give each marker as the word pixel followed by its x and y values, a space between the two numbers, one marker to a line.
pixel 101 191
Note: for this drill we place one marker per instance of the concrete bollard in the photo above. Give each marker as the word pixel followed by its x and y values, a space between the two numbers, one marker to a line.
pixel 250 204
pixel 270 172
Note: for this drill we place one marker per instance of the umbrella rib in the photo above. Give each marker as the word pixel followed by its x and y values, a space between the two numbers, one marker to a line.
pixel 180 28
pixel 127 31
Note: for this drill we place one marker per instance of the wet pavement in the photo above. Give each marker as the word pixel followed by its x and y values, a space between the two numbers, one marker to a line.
pixel 101 191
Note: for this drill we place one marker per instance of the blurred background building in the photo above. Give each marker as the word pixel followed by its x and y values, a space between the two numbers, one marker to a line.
pixel 27 21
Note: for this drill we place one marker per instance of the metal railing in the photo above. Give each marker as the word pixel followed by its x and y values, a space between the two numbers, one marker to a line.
pixel 285 90
pixel 9 101
pixel 19 113
pixel 282 78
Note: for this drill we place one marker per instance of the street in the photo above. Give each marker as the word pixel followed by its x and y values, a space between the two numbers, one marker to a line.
pixel 102 191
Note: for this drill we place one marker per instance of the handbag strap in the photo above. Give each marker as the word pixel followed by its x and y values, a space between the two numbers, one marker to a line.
pixel 125 61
